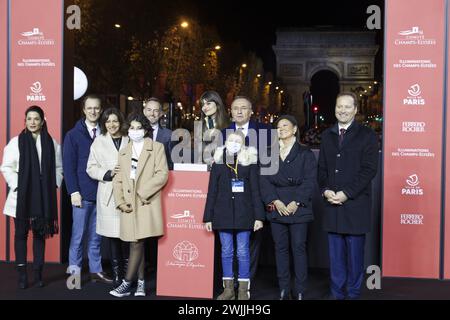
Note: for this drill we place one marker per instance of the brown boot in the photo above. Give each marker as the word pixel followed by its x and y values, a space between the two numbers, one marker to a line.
pixel 228 291
pixel 244 290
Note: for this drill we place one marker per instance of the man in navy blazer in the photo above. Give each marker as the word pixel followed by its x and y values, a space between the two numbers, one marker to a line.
pixel 348 162
pixel 241 112
pixel 83 190
pixel 153 111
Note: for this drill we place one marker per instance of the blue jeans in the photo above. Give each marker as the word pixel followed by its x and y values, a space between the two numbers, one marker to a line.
pixel 84 226
pixel 242 253
pixel 346 264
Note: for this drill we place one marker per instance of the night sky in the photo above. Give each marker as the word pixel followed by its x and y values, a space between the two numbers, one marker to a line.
pixel 254 23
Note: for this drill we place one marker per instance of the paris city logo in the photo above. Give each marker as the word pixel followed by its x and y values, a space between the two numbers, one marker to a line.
pixel 412 187
pixel 414 97
pixel 36 93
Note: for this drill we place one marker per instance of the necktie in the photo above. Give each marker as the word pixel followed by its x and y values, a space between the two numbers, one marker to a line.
pixel 341 136
pixel 210 123
pixel 94 131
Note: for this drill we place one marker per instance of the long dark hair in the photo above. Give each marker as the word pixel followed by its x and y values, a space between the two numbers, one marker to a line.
pixel 105 116
pixel 222 119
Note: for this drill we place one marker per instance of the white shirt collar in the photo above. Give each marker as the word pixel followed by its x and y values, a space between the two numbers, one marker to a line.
pixel 344 126
pixel 155 131
pixel 89 127
pixel 244 128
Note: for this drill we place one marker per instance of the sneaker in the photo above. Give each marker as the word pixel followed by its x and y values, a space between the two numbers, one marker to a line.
pixel 122 291
pixel 140 291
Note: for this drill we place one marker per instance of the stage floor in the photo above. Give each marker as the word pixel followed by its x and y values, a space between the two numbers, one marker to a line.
pixel 263 288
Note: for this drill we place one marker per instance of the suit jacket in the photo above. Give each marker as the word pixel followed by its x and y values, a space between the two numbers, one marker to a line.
pixel 165 137
pixel 349 168
pixel 77 146
pixel 143 193
pixel 256 126
pixel 294 181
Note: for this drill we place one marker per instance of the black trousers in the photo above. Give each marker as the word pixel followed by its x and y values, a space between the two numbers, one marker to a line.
pixel 255 249
pixel 294 236
pixel 22 228
pixel 119 249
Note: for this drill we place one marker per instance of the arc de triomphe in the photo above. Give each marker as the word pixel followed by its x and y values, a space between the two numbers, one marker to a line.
pixel 301 53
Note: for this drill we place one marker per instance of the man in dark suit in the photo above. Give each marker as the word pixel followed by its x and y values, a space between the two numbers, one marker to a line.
pixel 348 162
pixel 153 111
pixel 241 112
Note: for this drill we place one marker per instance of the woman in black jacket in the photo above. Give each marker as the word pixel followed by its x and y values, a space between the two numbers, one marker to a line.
pixel 288 198
pixel 234 208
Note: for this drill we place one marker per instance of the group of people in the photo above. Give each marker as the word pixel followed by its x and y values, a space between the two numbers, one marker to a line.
pixel 114 172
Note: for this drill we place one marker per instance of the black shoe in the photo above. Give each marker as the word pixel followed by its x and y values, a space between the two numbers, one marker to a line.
pixel 37 280
pixel 23 278
pixel 101 277
pixel 124 290
pixel 285 295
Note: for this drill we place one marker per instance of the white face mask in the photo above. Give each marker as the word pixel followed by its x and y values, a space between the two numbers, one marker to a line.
pixel 233 147
pixel 136 135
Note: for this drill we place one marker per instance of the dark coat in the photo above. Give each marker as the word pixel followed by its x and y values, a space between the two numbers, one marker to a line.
pixel 257 126
pixel 76 149
pixel 165 137
pixel 227 210
pixel 295 181
pixel 349 168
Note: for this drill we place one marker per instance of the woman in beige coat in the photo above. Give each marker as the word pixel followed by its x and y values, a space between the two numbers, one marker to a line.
pixel 137 192
pixel 102 166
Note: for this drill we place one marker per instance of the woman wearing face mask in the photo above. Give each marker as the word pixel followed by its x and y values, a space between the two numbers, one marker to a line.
pixel 102 166
pixel 32 167
pixel 137 188
pixel 234 208
pixel 288 198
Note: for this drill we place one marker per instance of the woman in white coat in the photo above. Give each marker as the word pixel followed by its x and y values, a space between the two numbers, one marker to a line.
pixel 102 166
pixel 32 168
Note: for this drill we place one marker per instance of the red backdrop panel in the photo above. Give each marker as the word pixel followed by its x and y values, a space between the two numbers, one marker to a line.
pixel 36 75
pixel 447 165
pixel 3 101
pixel 415 44
pixel 186 252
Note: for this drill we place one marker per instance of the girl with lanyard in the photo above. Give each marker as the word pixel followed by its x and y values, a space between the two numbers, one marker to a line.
pixel 234 208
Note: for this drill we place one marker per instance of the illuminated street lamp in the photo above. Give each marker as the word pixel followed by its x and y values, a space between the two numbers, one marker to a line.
pixel 217 47
pixel 118 26
pixel 244 65
pixel 184 24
